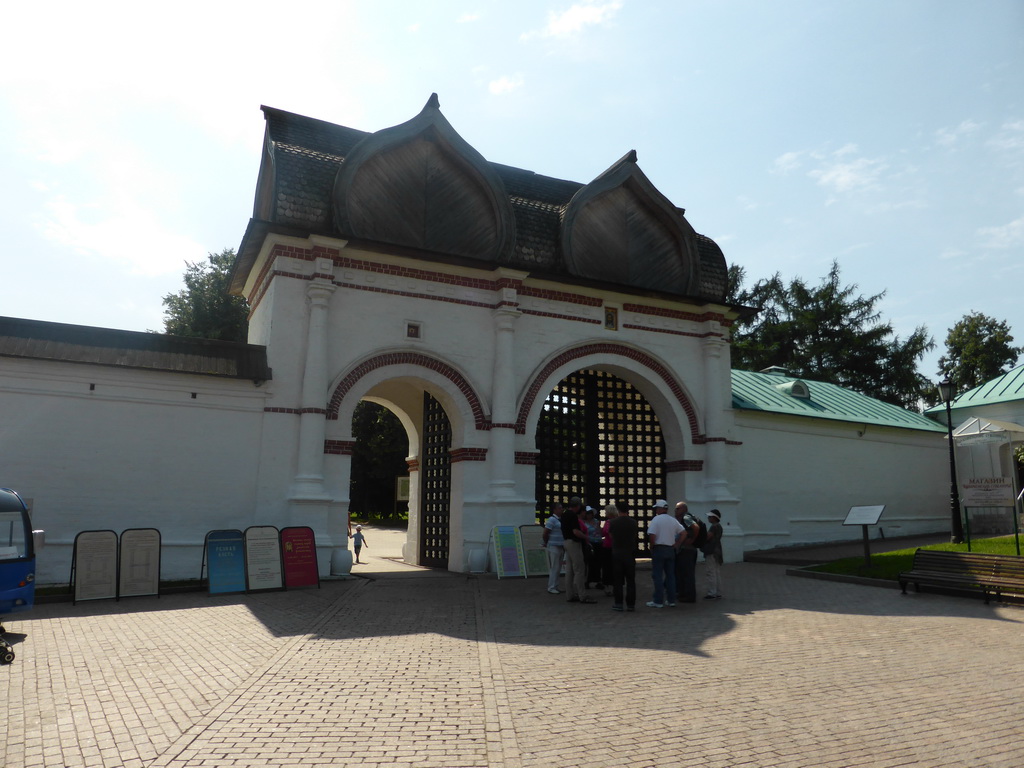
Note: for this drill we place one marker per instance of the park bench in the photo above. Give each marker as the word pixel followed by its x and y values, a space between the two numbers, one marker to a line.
pixel 988 575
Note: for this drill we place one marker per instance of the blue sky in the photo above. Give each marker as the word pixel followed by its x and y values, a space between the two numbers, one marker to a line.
pixel 886 134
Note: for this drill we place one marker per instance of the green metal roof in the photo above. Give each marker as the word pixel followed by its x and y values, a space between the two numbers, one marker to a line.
pixel 775 393
pixel 1002 389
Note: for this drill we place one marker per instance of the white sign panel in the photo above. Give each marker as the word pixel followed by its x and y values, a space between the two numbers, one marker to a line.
pixel 263 558
pixel 95 561
pixel 140 562
pixel 864 515
pixel 987 492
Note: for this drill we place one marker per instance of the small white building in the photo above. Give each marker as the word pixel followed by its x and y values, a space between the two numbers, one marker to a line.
pixel 537 338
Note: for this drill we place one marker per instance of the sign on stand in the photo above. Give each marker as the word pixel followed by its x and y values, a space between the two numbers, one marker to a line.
pixel 298 550
pixel 139 565
pixel 94 566
pixel 532 538
pixel 865 516
pixel 263 558
pixel 225 562
pixel 508 551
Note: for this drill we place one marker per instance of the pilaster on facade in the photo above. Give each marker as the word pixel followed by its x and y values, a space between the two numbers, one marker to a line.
pixel 309 477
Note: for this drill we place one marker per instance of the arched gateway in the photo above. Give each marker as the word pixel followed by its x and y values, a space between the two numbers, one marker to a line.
pixel 537 338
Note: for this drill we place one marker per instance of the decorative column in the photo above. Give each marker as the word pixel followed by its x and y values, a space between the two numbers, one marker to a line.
pixel 717 383
pixel 503 402
pixel 309 480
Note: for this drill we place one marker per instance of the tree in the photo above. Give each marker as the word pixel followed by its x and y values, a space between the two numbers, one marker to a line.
pixel 203 308
pixel 378 458
pixel 978 349
pixel 827 333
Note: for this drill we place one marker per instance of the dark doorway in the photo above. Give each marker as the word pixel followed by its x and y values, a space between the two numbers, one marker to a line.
pixel 600 439
pixel 435 488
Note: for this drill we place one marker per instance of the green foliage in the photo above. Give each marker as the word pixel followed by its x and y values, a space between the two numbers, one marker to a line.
pixel 203 308
pixel 889 565
pixel 978 349
pixel 827 332
pixel 378 459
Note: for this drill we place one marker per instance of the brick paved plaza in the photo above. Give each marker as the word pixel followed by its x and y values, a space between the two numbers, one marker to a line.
pixel 423 668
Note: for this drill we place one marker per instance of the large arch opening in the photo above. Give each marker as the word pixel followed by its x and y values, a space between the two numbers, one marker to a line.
pixel 599 438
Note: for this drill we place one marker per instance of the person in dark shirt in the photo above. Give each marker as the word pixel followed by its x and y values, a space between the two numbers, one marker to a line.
pixel 575 564
pixel 623 532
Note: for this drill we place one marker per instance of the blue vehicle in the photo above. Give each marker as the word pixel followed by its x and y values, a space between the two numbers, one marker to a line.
pixel 17 563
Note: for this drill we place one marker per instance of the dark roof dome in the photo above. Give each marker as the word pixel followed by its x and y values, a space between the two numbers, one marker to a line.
pixel 419 187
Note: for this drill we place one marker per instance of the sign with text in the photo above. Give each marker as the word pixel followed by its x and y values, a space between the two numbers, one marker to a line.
pixel 94 565
pixel 864 515
pixel 225 562
pixel 987 492
pixel 140 563
pixel 508 551
pixel 532 538
pixel 263 558
pixel 298 550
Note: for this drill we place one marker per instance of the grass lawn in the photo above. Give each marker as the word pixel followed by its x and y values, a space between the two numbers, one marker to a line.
pixel 889 565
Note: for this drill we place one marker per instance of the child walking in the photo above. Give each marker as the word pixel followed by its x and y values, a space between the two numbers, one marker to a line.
pixel 358 540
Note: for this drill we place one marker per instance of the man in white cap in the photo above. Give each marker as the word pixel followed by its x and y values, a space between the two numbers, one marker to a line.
pixel 664 533
pixel 713 557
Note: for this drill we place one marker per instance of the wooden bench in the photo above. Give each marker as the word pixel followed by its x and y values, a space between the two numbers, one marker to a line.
pixel 966 572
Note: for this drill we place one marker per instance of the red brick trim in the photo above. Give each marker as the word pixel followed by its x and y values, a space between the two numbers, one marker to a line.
pixel 685 465
pixel 339 447
pixel 643 309
pixel 468 454
pixel 498 425
pixel 527 457
pixel 673 332
pixel 616 350
pixel 563 296
pixel 413 464
pixel 295 411
pixel 408 358
pixel 557 316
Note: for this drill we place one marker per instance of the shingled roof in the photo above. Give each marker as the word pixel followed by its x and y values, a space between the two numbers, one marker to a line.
pixel 40 340
pixel 296 194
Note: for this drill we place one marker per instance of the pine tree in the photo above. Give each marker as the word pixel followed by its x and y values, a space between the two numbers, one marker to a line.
pixel 203 308
pixel 978 349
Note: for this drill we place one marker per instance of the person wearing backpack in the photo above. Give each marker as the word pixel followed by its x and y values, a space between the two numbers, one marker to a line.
pixel 712 550
pixel 686 554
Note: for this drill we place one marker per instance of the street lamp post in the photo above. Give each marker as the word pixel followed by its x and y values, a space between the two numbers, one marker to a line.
pixel 956 534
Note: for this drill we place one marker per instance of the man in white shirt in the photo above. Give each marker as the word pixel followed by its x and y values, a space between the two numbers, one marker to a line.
pixel 664 533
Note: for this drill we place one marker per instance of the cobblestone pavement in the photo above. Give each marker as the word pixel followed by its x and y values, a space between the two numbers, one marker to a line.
pixel 432 669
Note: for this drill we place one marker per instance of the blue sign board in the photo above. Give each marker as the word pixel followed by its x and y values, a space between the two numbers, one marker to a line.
pixel 225 562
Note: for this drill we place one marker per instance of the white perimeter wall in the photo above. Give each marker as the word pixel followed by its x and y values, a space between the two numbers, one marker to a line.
pixel 135 451
pixel 799 478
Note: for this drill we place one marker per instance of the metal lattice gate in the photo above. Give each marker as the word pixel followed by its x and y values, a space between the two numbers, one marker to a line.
pixel 435 484
pixel 600 439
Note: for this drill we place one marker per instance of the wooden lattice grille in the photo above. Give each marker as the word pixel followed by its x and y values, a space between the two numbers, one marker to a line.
pixel 599 438
pixel 435 488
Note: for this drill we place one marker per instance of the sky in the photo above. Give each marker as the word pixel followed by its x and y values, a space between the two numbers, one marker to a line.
pixel 887 135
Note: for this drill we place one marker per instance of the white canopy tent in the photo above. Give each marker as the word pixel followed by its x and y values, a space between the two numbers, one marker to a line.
pixel 985 438
pixel 981 431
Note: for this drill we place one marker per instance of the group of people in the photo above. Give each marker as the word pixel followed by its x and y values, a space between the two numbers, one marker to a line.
pixel 606 554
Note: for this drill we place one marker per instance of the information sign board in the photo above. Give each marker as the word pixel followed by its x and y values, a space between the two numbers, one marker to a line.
pixel 298 551
pixel 139 567
pixel 225 562
pixel 508 551
pixel 262 558
pixel 987 492
pixel 94 565
pixel 532 538
pixel 864 515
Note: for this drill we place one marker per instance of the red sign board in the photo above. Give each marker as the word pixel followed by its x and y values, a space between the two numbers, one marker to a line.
pixel 298 546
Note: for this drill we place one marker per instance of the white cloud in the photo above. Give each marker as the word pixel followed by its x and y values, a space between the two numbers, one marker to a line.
pixel 947 137
pixel 505 84
pixel 573 21
pixel 787 162
pixel 127 233
pixel 1010 137
pixel 841 176
pixel 466 18
pixel 1007 236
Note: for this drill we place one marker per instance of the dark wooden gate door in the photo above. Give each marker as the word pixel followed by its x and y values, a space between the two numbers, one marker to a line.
pixel 600 439
pixel 435 484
